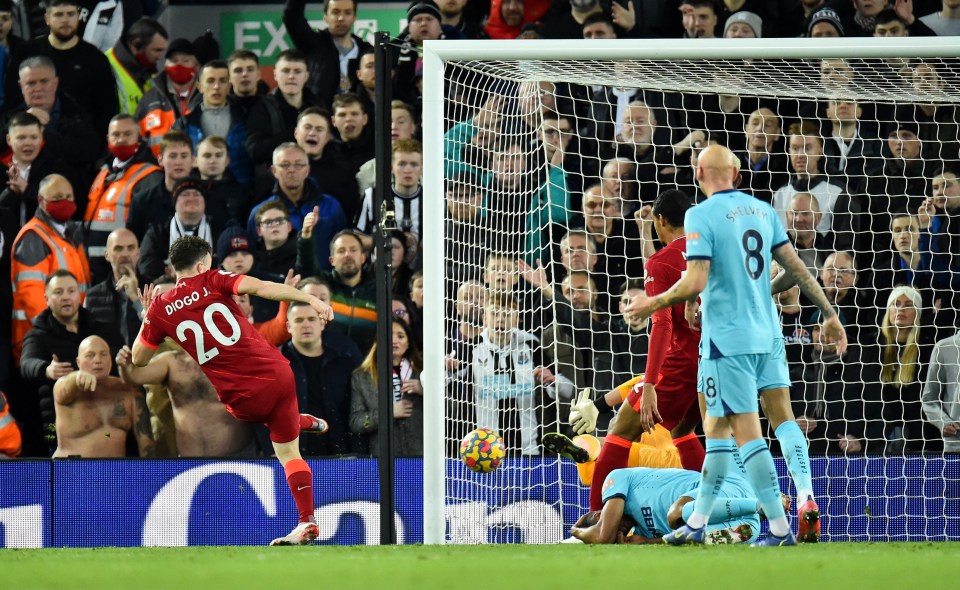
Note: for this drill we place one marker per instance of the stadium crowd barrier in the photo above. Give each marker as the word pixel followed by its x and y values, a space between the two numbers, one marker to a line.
pixel 127 503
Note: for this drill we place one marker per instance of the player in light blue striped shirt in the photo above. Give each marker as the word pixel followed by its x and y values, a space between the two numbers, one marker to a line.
pixel 731 240
pixel 653 501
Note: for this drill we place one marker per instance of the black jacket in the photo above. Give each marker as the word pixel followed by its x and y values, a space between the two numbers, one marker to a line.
pixel 107 305
pixel 47 162
pixel 332 401
pixel 149 205
pixel 272 121
pixel 69 136
pixel 272 265
pixel 84 73
pixel 49 337
pixel 337 181
pixel 322 54
pixel 155 248
pixel 228 199
pixel 354 154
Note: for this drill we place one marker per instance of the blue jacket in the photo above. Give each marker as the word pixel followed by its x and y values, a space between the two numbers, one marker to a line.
pixel 331 221
pixel 241 167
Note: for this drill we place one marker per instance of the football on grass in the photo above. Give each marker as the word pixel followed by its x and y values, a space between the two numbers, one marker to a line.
pixel 482 450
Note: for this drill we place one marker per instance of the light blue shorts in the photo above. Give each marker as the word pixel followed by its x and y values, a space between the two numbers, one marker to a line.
pixel 731 384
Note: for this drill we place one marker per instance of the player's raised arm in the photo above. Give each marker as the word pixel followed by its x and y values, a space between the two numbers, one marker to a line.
pixel 786 256
pixel 155 372
pixel 141 353
pixel 280 292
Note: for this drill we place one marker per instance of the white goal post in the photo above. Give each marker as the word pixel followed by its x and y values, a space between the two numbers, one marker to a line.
pixel 662 65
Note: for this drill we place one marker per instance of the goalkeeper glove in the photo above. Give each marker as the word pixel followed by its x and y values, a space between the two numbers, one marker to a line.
pixel 584 413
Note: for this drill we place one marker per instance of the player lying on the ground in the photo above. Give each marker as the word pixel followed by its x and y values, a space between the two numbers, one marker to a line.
pixel 652 502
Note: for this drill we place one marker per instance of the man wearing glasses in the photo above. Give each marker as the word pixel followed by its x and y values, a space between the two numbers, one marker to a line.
pixel 839 279
pixel 310 211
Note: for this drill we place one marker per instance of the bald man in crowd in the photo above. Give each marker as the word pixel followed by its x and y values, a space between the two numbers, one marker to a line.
pixel 204 427
pixel 95 411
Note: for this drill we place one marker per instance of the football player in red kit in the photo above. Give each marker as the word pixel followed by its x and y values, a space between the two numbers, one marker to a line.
pixel 668 393
pixel 251 377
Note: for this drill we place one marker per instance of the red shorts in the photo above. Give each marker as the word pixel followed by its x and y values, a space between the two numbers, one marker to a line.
pixel 676 401
pixel 276 408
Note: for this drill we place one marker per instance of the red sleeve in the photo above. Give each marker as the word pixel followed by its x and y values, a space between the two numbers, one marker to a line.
pixel 224 281
pixel 656 282
pixel 151 335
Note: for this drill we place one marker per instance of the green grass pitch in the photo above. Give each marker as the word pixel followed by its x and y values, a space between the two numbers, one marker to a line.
pixel 850 566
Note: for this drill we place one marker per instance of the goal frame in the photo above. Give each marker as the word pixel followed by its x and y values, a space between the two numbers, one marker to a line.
pixel 437 53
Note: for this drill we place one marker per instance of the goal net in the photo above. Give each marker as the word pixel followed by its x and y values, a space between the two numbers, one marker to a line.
pixel 542 157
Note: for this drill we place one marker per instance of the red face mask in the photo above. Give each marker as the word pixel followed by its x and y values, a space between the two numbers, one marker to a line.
pixel 180 74
pixel 123 152
pixel 145 61
pixel 61 211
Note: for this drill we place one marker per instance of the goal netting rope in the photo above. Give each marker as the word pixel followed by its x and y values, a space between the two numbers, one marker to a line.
pixel 547 165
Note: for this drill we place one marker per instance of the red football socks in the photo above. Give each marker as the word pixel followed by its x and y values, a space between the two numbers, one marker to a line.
pixel 691 452
pixel 614 455
pixel 300 480
pixel 307 422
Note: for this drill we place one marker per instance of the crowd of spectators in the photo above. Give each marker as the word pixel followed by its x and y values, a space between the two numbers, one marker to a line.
pixel 121 136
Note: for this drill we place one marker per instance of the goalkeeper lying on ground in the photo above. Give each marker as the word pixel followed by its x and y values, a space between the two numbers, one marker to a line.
pixel 655 501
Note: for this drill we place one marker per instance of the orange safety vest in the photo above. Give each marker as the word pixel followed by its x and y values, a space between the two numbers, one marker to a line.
pixel 10 439
pixel 155 125
pixel 29 282
pixel 108 204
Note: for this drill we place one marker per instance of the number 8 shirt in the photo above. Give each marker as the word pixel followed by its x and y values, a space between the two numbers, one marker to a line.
pixel 199 313
pixel 736 233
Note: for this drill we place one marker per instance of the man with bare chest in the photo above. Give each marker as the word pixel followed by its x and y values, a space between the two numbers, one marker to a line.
pixel 204 426
pixel 95 411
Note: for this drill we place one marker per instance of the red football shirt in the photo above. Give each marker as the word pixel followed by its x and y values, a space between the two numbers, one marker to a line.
pixel 200 314
pixel 674 346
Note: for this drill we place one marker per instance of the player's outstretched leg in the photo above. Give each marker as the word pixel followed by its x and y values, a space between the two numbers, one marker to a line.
pixel 613 455
pixel 725 509
pixel 688 445
pixel 300 481
pixel 616 446
pixel 313 425
pixel 793 444
pixel 762 475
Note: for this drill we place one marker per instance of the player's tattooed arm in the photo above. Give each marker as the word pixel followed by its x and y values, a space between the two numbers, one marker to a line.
pixel 797 271
pixel 142 429
pixel 154 373
pixel 688 288
pixel 781 283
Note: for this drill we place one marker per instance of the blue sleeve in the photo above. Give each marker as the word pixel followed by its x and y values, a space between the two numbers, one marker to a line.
pixel 616 485
pixel 558 198
pixel 699 234
pixel 455 142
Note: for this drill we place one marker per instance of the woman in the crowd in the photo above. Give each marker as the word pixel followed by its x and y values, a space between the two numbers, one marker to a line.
pixel 407 395
pixel 905 342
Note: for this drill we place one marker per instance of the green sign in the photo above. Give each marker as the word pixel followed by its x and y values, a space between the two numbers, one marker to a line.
pixel 263 32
